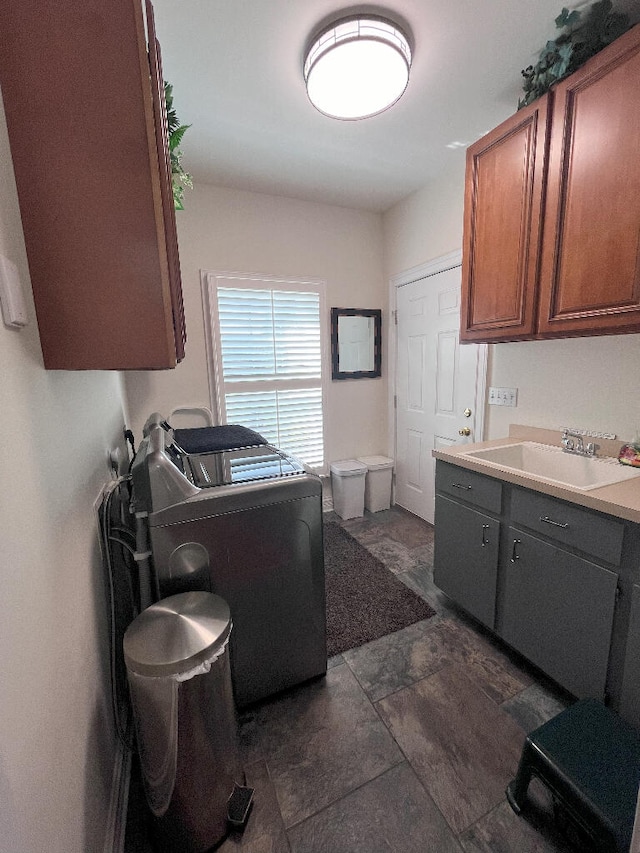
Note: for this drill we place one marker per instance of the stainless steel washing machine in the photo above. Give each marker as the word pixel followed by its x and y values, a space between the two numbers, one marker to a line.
pixel 246 524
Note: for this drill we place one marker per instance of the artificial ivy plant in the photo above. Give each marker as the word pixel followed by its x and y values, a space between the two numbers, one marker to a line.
pixel 180 178
pixel 585 34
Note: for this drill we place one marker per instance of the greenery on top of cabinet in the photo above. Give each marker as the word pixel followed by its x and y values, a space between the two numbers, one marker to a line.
pixel 180 178
pixel 583 37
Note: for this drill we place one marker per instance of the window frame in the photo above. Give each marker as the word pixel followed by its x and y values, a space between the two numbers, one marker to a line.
pixel 210 281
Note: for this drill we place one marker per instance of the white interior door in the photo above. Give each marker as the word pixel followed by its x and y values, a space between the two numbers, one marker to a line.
pixel 439 385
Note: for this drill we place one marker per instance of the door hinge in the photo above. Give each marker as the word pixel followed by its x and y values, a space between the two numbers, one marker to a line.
pixel 395 316
pixel 618 592
pixel 395 401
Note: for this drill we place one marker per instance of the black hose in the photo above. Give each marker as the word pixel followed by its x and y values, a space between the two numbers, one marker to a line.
pixel 122 600
pixel 128 435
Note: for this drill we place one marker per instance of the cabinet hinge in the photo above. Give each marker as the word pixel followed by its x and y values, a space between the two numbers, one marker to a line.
pixel 618 593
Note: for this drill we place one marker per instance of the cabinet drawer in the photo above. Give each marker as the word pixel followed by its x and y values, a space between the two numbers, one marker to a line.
pixel 571 525
pixel 469 486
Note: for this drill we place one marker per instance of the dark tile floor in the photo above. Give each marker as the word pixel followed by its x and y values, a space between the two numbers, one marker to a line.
pixel 408 743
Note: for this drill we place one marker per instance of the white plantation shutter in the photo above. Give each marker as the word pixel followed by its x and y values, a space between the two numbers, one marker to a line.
pixel 292 420
pixel 246 334
pixel 269 362
pixel 269 334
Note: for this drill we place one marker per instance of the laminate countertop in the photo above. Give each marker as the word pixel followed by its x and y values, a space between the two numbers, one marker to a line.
pixel 620 499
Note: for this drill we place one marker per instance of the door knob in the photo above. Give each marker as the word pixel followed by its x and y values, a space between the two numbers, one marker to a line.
pixel 467 413
pixel 464 431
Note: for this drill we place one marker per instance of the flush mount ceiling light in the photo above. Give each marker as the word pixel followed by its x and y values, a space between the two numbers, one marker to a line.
pixel 357 67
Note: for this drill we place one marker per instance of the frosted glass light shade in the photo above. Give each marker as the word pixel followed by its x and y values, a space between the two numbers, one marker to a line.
pixel 357 68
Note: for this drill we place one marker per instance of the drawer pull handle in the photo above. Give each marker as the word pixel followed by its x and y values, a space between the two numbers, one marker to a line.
pixel 485 541
pixel 548 520
pixel 461 486
pixel 514 553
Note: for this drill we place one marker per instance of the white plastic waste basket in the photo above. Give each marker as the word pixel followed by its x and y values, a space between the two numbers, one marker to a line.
pixel 347 487
pixel 377 489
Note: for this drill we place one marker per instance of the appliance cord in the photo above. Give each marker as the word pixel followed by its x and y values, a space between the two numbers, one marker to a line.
pixel 122 606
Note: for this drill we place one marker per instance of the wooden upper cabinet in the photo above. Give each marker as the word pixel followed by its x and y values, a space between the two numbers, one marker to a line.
pixel 590 273
pixel 166 182
pixel 84 102
pixel 551 243
pixel 504 192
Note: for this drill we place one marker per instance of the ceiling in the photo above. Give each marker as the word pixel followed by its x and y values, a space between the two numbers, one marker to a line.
pixel 236 70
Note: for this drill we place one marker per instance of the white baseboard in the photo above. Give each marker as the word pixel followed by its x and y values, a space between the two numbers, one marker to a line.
pixel 117 817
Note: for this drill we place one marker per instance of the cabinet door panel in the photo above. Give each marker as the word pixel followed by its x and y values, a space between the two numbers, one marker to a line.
pixel 557 610
pixel 166 186
pixel 466 558
pixel 630 693
pixel 503 199
pixel 78 102
pixel 590 274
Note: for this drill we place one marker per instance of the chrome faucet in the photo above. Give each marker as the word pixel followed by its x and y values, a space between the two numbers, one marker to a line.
pixel 572 443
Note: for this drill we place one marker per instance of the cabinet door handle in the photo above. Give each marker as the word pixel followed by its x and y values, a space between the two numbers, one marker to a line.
pixel 514 553
pixel 485 541
pixel 461 486
pixel 548 520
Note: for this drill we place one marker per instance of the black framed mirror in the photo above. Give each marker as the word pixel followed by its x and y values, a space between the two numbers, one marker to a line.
pixel 356 343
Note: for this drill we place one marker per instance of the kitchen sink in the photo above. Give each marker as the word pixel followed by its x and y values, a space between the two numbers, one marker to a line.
pixel 555 465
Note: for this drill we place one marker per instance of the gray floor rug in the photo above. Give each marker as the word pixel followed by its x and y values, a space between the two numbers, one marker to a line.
pixel 364 599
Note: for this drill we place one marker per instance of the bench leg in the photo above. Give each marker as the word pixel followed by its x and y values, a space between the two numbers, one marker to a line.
pixel 517 789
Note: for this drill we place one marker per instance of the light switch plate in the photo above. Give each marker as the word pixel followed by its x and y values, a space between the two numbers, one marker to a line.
pixel 14 310
pixel 503 396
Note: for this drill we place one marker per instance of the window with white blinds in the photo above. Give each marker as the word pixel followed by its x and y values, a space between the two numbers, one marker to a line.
pixel 268 346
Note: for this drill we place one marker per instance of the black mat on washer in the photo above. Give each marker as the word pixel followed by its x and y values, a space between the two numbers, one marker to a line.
pixel 216 438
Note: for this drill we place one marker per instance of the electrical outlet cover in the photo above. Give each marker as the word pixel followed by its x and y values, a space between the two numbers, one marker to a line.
pixel 14 311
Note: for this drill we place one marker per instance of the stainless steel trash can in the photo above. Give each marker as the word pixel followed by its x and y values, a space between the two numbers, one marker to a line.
pixel 177 659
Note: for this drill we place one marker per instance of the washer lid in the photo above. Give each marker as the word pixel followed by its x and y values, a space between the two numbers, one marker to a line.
pixel 348 468
pixel 376 463
pixel 246 465
pixel 176 634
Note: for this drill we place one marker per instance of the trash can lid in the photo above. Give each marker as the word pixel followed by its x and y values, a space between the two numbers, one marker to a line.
pixel 348 468
pixel 376 463
pixel 177 633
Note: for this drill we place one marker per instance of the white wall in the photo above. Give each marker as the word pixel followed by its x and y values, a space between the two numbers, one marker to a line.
pixel 582 382
pixel 427 224
pixel 56 733
pixel 233 231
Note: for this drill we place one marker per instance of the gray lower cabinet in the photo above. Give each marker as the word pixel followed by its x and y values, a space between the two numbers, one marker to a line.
pixel 557 610
pixel 559 582
pixel 466 557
